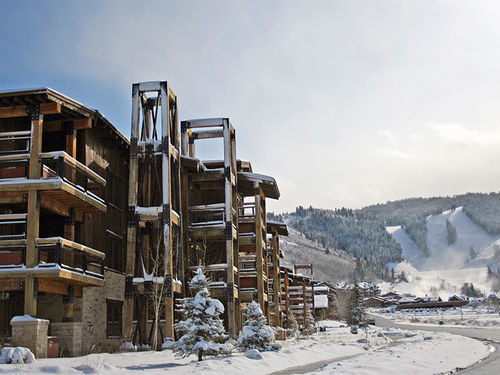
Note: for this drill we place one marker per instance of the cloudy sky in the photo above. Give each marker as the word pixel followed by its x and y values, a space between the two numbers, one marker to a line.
pixel 345 103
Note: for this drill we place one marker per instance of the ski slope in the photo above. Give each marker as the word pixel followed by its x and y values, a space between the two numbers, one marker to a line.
pixel 448 266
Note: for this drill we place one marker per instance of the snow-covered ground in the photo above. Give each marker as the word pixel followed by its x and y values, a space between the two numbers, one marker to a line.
pixel 467 316
pixel 424 353
pixel 389 350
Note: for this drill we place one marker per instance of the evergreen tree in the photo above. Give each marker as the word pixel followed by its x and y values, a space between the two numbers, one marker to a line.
pixel 293 326
pixel 356 311
pixel 490 271
pixel 451 233
pixel 472 253
pixel 402 277
pixel 310 327
pixel 469 290
pixel 202 330
pixel 359 272
pixel 256 334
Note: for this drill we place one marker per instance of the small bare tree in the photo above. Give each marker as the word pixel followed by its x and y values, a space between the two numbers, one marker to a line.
pixel 342 304
pixel 160 267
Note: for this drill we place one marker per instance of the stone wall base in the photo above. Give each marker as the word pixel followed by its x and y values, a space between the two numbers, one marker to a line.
pixel 70 335
pixel 31 333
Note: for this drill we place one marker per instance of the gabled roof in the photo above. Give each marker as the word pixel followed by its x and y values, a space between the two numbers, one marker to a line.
pixel 70 108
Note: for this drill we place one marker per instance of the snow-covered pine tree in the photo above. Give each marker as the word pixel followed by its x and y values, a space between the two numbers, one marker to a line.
pixel 356 313
pixel 256 334
pixel 311 324
pixel 293 326
pixel 202 330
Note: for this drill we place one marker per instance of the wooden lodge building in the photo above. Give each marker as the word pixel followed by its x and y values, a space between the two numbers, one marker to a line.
pixel 97 232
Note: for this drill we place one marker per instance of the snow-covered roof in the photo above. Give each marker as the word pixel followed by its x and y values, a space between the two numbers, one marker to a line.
pixel 320 301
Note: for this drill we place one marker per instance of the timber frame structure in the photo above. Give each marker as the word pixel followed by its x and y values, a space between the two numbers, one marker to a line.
pixel 93 222
pixel 154 226
pixel 61 214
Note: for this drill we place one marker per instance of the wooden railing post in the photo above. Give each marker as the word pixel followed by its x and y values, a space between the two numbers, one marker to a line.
pixel 58 255
pixel 84 263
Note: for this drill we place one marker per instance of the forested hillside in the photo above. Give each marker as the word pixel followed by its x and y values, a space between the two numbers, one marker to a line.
pixel 483 209
pixel 361 233
pixel 364 239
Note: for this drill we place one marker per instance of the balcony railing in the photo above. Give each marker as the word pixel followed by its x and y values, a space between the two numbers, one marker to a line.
pixel 60 164
pixel 15 142
pixel 14 166
pixel 56 164
pixel 54 252
pixel 207 215
pixel 70 256
pixel 247 210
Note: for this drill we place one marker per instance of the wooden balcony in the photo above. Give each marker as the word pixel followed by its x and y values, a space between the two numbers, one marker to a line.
pixel 209 221
pixel 65 182
pixel 58 260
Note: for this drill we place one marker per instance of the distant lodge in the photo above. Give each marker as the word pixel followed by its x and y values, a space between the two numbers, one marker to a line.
pixel 402 302
pixel 96 228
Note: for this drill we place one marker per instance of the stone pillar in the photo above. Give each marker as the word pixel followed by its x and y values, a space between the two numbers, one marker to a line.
pixel 32 333
pixel 70 335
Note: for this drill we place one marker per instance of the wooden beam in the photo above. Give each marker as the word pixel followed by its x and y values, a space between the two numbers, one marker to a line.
pixel 79 123
pixel 53 205
pixel 8 285
pixel 10 197
pixel 20 110
pixel 83 123
pixel 52 287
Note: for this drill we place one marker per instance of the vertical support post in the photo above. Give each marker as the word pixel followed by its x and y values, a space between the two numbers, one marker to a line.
pixel 184 139
pixel 33 222
pixel 304 303
pixel 128 307
pixel 192 148
pixel 69 233
pixel 259 250
pixel 68 305
pixel 276 279
pixel 287 299
pixel 228 195
pixel 187 252
pixel 145 236
pixel 167 198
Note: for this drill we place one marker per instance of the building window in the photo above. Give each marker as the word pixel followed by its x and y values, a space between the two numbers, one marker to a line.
pixel 114 318
pixel 115 188
pixel 114 257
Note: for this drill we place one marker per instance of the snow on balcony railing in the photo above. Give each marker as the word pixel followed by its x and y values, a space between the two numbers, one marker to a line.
pixel 60 164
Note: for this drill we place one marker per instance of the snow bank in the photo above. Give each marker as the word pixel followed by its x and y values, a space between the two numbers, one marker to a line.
pixel 431 353
pixel 26 318
pixel 17 356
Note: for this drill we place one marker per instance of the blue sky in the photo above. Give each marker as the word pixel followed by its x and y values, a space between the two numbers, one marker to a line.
pixel 346 103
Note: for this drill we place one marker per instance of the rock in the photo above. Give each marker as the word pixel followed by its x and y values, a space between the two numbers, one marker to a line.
pixel 253 354
pixel 167 343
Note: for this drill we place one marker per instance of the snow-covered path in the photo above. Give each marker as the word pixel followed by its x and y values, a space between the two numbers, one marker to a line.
pixel 489 336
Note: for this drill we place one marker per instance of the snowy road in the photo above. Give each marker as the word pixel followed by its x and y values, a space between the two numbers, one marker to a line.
pixel 488 366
